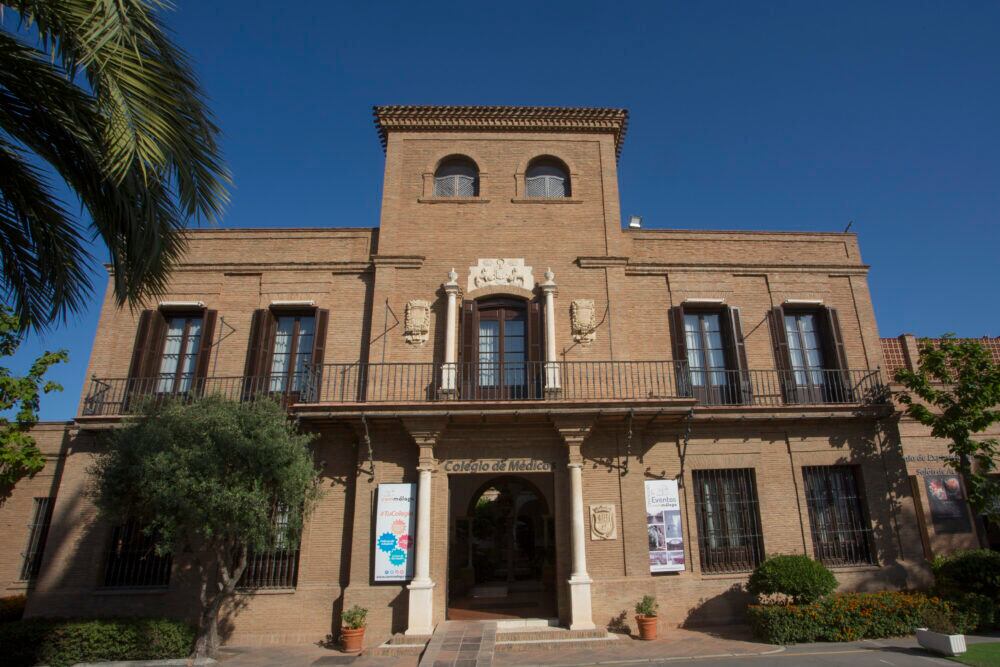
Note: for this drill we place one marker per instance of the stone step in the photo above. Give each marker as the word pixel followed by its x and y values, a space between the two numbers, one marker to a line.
pixel 549 634
pixel 399 644
pixel 556 643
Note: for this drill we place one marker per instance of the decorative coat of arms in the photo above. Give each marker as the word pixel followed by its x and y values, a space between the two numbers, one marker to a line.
pixel 602 522
pixel 417 322
pixel 503 271
pixel 583 319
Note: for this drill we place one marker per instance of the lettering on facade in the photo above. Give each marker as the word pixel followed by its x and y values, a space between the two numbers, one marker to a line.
pixel 919 458
pixel 602 522
pixel 496 465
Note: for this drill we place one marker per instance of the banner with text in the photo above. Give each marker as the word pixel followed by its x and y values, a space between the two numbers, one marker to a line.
pixel 395 528
pixel 949 512
pixel 663 523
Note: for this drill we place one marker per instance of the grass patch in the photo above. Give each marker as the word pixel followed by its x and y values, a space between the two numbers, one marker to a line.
pixel 980 655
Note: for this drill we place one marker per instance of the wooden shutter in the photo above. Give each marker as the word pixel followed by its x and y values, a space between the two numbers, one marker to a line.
pixel 536 333
pixel 139 349
pixel 782 359
pixel 468 354
pixel 833 340
pixel 678 343
pixel 205 346
pixel 257 325
pixel 319 339
pixel 736 354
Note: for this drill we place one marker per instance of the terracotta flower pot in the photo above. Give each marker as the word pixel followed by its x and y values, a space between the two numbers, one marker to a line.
pixel 352 639
pixel 647 627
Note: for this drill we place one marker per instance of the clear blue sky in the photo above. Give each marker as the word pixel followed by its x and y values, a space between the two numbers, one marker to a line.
pixel 783 115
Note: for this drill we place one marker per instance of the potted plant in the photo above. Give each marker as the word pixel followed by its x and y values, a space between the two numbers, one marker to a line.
pixel 645 617
pixel 940 635
pixel 352 631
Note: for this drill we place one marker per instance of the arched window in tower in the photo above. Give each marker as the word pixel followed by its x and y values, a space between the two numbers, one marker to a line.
pixel 547 178
pixel 456 177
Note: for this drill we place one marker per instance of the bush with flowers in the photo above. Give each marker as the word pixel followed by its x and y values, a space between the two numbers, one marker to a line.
pixel 846 617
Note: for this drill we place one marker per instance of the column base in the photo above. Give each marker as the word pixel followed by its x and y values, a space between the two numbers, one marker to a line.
pixel 420 619
pixel 581 613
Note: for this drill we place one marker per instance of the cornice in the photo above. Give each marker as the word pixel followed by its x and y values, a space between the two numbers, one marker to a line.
pixel 600 262
pixel 399 261
pixel 662 268
pixel 405 118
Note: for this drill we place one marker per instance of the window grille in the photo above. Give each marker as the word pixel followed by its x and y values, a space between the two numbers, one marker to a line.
pixel 273 568
pixel 729 533
pixel 456 178
pixel 546 180
pixel 841 531
pixel 37 533
pixel 132 559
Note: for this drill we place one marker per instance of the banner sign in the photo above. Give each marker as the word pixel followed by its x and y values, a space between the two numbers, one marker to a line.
pixel 663 523
pixel 949 512
pixel 395 528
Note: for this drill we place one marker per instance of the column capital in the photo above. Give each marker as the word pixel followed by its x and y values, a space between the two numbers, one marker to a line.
pixel 573 429
pixel 452 286
pixel 549 286
pixel 426 432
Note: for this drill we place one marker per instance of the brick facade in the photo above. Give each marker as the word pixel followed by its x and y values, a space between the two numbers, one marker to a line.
pixel 366 276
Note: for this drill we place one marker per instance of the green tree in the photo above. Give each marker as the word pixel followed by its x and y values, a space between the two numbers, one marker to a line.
pixel 95 92
pixel 210 476
pixel 955 392
pixel 19 455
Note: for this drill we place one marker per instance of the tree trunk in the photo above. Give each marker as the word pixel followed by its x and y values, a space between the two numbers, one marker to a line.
pixel 207 643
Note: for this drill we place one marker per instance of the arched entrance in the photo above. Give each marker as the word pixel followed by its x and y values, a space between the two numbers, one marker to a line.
pixel 502 551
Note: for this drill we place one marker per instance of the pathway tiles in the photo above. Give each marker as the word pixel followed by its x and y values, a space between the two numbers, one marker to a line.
pixel 461 644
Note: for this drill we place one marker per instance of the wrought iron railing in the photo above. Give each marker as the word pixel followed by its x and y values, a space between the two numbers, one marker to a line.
pixel 566 381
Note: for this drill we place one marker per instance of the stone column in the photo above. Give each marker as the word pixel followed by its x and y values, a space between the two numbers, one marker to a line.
pixel 581 612
pixel 449 370
pixel 548 288
pixel 420 620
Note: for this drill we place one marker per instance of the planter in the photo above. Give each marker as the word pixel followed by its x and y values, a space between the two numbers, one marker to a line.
pixel 352 639
pixel 939 642
pixel 647 627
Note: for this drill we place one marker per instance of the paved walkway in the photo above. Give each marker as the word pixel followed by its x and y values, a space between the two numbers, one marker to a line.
pixel 461 644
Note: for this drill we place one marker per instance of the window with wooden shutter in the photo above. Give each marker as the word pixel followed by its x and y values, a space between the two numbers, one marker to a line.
pixel 468 350
pixel 254 370
pixel 536 350
pixel 739 386
pixel 679 346
pixel 291 358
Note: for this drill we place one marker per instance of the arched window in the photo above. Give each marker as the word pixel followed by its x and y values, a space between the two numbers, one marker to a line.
pixel 456 177
pixel 547 178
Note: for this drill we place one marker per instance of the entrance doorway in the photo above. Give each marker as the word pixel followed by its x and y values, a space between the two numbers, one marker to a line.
pixel 502 547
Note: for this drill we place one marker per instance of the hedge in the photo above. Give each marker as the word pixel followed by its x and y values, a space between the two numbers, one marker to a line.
pixel 795 576
pixel 844 617
pixel 12 608
pixel 59 642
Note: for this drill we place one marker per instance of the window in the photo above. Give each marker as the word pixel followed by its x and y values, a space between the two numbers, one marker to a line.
pixel 38 531
pixel 277 567
pixel 729 533
pixel 804 349
pixel 710 341
pixel 179 359
pixel 810 355
pixel 456 177
pixel 501 349
pixel 841 532
pixel 132 560
pixel 291 358
pixel 547 178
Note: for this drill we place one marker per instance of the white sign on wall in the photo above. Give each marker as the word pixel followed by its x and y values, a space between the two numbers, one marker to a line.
pixel 395 529
pixel 663 523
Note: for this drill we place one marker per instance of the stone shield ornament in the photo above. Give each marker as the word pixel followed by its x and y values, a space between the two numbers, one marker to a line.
pixel 602 522
pixel 417 322
pixel 583 319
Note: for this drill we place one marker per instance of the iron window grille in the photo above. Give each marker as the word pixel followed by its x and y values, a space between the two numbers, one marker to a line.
pixel 729 531
pixel 132 560
pixel 38 531
pixel 273 568
pixel 841 531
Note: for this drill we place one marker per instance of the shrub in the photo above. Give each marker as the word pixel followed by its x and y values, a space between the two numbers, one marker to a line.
pixel 799 577
pixel 973 612
pixel 59 642
pixel 973 571
pixel 12 608
pixel 647 606
pixel 844 617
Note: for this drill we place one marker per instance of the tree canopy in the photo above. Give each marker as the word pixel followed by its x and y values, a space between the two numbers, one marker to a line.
pixel 95 92
pixel 955 392
pixel 213 475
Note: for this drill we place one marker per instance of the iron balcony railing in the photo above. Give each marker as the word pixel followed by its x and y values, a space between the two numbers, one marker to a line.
pixel 567 381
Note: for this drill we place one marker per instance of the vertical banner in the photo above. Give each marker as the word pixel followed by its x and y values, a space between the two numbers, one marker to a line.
pixel 949 512
pixel 395 529
pixel 663 523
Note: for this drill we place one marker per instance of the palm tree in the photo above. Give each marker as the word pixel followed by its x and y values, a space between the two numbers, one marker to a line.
pixel 94 92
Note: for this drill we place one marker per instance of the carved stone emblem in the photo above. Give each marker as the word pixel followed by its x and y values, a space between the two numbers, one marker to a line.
pixel 583 320
pixel 602 522
pixel 505 271
pixel 417 322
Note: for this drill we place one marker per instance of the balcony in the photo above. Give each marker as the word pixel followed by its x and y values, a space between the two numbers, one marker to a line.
pixel 630 382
